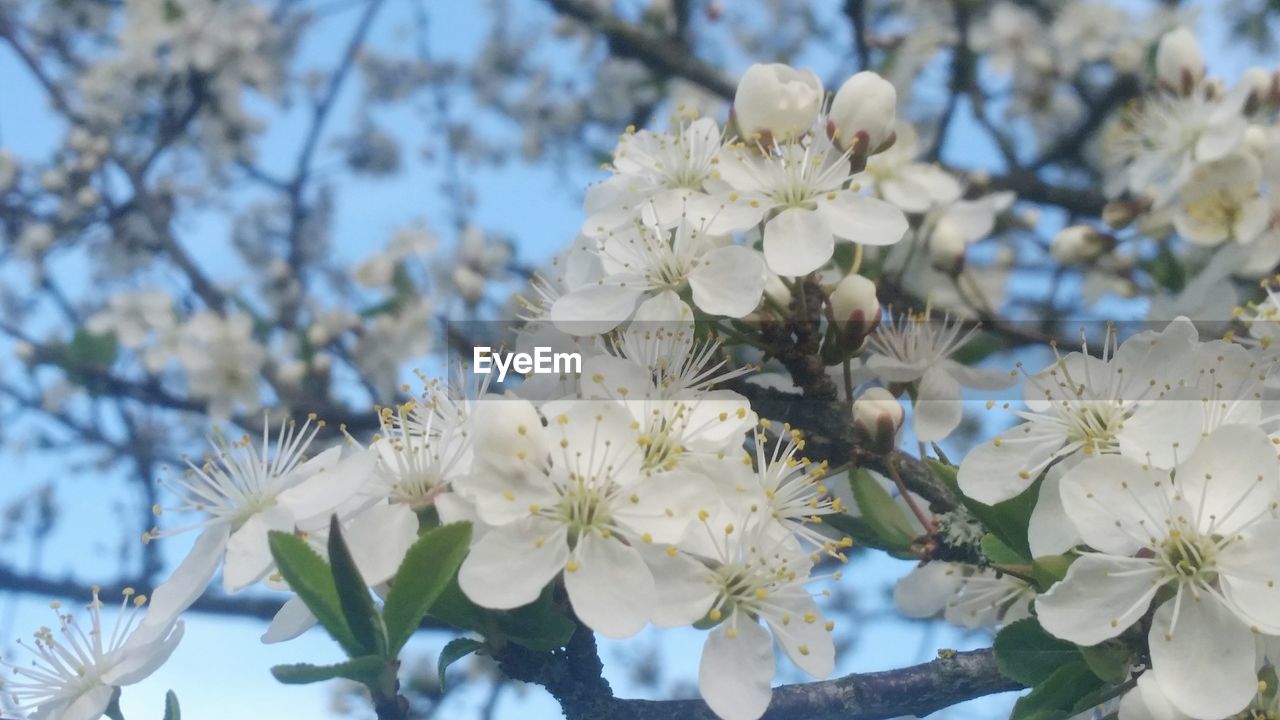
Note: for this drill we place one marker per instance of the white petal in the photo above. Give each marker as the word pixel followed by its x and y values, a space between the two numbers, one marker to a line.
pixel 1110 499
pixel 1147 702
pixel 1248 570
pixel 924 592
pixel 595 309
pixel 802 632
pixel 1206 665
pixel 938 408
pixel 248 552
pixel 139 661
pixel 187 583
pixel 664 505
pixel 379 538
pixel 736 669
pixel 313 500
pixel 291 620
pixel 684 590
pixel 510 565
pixel 611 589
pixel 1164 430
pixel 1003 468
pixel 89 706
pixel 728 282
pixel 1095 602
pixel 1233 462
pixel 863 220
pixel 797 242
pixel 1050 531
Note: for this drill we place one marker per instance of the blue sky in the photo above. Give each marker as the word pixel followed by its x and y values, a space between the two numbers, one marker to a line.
pixel 221 670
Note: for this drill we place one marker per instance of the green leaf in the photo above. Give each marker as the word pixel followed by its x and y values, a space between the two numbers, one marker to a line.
pixel 353 595
pixel 171 709
pixel 454 651
pixel 857 528
pixel 453 607
pixel 309 576
pixel 368 670
pixel 1049 569
pixel 425 572
pixel 882 515
pixel 1057 694
pixel 1007 520
pixel 540 625
pixel 1000 553
pixel 1028 654
pixel 1108 660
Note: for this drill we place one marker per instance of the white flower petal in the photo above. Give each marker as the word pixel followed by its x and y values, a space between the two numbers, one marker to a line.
pixel 736 669
pixel 1100 597
pixel 89 706
pixel 863 220
pixel 611 588
pixel 1233 462
pixel 1248 570
pixel 938 408
pixel 248 551
pixel 1205 666
pixel 595 309
pixel 1109 499
pixel 1050 531
pixel 291 620
pixel 802 632
pixel 925 591
pixel 187 583
pixel 138 661
pixel 1003 468
pixel 797 242
pixel 509 565
pixel 729 281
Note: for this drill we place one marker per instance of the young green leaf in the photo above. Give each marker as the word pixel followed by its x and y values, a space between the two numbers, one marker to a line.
pixel 878 509
pixel 354 598
pixel 309 576
pixel 1108 660
pixel 368 670
pixel 424 573
pixel 1057 694
pixel 454 651
pixel 171 709
pixel 1028 654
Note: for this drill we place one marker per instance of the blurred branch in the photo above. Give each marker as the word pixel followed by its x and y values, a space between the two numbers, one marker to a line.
pixel 659 53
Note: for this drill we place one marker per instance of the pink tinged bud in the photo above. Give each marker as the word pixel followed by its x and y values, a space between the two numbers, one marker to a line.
pixel 877 417
pixel 1079 244
pixel 776 101
pixel 864 110
pixel 1179 63
pixel 947 246
pixel 855 309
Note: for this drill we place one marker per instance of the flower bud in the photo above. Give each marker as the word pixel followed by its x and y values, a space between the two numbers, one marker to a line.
pixel 877 417
pixel 1262 88
pixel 1079 244
pixel 776 101
pixel 947 246
pixel 866 105
pixel 1179 63
pixel 855 309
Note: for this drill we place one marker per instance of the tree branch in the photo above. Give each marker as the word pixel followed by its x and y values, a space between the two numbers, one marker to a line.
pixel 657 52
pixel 572 676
